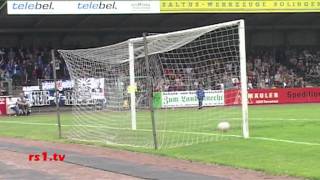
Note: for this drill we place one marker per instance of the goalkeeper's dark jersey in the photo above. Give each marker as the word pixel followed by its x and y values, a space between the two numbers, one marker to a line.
pixel 200 94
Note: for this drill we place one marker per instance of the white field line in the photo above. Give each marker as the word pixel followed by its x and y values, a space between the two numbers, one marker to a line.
pixel 116 128
pixel 258 119
pixel 201 133
pixel 277 119
pixel 65 125
pixel 109 143
pixel 170 131
pixel 287 119
pixel 286 141
pixel 28 123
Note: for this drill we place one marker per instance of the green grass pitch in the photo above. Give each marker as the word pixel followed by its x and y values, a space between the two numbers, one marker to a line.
pixel 285 139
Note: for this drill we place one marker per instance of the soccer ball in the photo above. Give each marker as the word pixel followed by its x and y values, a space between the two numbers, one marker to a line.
pixel 224 126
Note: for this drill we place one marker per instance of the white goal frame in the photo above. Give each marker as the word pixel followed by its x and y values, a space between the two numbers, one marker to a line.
pixel 243 71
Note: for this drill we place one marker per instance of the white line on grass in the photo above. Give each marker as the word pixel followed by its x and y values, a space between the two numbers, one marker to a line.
pixel 65 125
pixel 170 131
pixel 261 119
pixel 201 133
pixel 278 119
pixel 110 143
pixel 287 119
pixel 28 123
pixel 286 141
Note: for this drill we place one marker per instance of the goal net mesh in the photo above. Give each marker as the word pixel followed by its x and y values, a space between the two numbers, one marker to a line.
pixel 179 62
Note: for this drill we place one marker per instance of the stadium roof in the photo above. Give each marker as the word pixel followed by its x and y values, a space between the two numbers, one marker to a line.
pixel 147 23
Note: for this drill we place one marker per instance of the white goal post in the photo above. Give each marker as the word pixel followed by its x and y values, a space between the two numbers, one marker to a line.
pixel 243 76
pixel 132 87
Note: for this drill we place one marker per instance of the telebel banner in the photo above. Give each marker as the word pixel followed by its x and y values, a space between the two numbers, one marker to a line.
pixel 34 7
pixel 83 7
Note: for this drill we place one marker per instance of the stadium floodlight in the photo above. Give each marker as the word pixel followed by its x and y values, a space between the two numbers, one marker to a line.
pixel 177 63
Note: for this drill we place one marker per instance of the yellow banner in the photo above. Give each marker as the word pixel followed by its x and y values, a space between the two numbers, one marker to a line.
pixel 238 6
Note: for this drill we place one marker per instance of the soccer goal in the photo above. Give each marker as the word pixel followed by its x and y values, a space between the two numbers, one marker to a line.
pixel 148 86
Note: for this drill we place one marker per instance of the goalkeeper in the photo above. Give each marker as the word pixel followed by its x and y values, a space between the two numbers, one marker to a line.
pixel 200 96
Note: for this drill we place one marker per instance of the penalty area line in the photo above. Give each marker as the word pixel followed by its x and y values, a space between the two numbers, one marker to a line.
pixel 116 128
pixel 171 131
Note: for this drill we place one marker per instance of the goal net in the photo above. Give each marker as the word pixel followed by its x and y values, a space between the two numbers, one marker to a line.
pixel 143 100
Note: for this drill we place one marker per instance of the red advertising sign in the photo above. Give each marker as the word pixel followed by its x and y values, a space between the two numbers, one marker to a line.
pixel 3 106
pixel 263 96
pixel 232 97
pixel 275 96
pixel 300 95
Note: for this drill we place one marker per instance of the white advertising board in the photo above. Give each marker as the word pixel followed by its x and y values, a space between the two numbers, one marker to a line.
pixel 83 7
pixel 189 98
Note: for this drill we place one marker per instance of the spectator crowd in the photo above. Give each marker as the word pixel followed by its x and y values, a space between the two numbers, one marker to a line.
pixel 306 62
pixel 265 69
pixel 24 66
pixel 289 68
